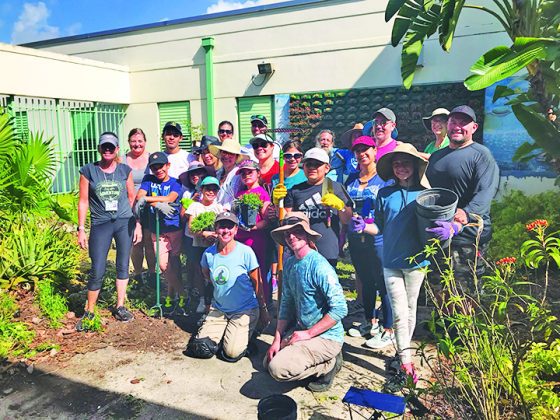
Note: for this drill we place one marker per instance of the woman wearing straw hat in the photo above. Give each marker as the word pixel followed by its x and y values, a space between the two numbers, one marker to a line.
pixel 309 332
pixel 395 217
pixel 229 153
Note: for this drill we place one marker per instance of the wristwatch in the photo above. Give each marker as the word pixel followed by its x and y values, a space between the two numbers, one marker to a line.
pixel 81 227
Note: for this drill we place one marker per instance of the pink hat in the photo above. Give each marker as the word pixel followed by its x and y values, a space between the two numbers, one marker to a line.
pixel 365 140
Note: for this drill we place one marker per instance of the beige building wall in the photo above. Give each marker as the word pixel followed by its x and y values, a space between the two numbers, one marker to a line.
pixel 313 47
pixel 39 73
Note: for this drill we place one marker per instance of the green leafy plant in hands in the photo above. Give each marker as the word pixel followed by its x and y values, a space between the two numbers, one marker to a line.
pixel 251 200
pixel 204 221
pixel 186 202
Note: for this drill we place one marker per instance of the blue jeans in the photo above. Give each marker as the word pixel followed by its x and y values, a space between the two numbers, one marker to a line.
pixel 99 243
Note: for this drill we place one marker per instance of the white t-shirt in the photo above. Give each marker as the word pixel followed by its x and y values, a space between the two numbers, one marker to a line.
pixel 179 163
pixel 194 210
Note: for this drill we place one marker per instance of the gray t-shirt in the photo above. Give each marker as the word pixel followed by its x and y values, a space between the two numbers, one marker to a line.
pixel 108 198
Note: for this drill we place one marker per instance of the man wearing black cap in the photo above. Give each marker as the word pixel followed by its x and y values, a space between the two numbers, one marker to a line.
pixel 470 170
pixel 178 158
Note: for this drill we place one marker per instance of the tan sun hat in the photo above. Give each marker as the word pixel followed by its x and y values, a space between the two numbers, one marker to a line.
pixel 428 120
pixel 347 135
pixel 230 146
pixel 290 221
pixel 385 164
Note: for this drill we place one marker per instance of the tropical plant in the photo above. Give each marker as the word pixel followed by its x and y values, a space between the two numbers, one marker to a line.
pixel 204 221
pixel 534 29
pixel 491 339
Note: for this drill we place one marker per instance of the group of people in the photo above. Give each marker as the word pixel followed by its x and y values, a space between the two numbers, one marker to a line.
pixel 363 193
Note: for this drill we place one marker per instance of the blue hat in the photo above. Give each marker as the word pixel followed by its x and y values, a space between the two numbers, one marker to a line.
pixel 210 180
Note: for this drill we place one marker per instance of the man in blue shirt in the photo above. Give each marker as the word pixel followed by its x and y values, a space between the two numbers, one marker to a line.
pixel 309 333
pixel 234 295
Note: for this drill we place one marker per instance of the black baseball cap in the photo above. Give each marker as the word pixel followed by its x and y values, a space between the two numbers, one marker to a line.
pixel 172 125
pixel 227 215
pixel 157 158
pixel 464 109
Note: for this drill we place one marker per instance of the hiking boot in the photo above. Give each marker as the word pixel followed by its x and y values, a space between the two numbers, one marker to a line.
pixel 122 314
pixel 364 329
pixel 324 383
pixel 168 308
pixel 80 324
pixel 381 340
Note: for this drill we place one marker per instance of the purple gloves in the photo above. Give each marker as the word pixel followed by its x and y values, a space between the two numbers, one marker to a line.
pixel 444 231
pixel 358 224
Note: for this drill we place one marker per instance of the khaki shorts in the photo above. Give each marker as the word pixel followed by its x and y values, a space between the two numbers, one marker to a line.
pixel 169 245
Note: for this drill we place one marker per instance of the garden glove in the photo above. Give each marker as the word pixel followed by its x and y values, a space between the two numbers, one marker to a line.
pixel 165 209
pixel 139 206
pixel 331 200
pixel 444 231
pixel 279 193
pixel 358 224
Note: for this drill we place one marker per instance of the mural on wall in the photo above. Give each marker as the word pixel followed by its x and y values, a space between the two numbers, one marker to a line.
pixel 340 110
pixel 503 134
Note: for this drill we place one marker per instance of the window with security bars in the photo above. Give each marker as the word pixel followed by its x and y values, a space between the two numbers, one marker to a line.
pixel 74 126
pixel 179 112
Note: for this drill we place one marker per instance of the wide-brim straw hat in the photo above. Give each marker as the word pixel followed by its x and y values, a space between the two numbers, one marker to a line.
pixel 347 135
pixel 292 220
pixel 230 146
pixel 385 164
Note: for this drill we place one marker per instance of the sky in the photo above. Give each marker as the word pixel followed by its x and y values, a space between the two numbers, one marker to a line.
pixel 28 21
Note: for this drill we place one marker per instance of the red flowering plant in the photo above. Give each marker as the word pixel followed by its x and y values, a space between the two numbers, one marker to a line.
pixel 542 250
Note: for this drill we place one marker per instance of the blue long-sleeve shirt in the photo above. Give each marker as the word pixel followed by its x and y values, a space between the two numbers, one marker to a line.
pixel 310 290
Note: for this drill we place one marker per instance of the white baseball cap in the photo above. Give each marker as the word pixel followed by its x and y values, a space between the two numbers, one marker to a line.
pixel 318 154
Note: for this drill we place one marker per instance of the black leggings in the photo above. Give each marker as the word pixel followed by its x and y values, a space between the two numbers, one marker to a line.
pixel 367 260
pixel 99 243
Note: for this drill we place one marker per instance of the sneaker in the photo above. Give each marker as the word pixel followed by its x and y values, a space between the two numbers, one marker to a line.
pixel 80 325
pixel 122 314
pixel 180 306
pixel 355 307
pixel 168 308
pixel 381 340
pixel 364 329
pixel 201 308
pixel 324 383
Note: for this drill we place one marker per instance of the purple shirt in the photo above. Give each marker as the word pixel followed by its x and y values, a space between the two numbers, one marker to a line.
pixel 383 150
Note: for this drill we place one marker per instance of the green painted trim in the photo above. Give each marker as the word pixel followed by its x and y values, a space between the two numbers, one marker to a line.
pixel 208 45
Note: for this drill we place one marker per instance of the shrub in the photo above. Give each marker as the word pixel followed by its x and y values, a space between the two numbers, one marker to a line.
pixel 15 337
pixel 34 248
pixel 94 325
pixel 513 212
pixel 204 221
pixel 52 305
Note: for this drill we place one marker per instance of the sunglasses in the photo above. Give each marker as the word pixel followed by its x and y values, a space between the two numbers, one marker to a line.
pixel 290 156
pixel 197 173
pixel 172 134
pixel 213 188
pixel 290 221
pixel 108 146
pixel 246 172
pixel 261 144
pixel 312 163
pixel 221 131
pixel 226 224
pixel 382 123
pixel 156 167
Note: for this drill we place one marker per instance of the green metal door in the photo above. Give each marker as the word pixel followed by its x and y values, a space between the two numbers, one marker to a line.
pixel 179 112
pixel 253 105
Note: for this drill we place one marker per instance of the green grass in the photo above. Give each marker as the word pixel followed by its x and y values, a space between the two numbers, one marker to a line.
pixel 15 337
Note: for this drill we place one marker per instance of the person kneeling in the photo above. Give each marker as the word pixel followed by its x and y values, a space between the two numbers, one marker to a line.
pixel 311 308
pixel 231 272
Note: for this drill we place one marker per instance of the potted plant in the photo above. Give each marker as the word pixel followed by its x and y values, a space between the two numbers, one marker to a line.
pixel 248 206
pixel 204 221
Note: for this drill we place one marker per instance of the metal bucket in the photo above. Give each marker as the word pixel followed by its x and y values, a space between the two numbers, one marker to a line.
pixel 277 407
pixel 431 205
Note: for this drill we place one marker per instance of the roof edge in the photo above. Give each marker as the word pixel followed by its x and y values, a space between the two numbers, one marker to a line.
pixel 210 16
